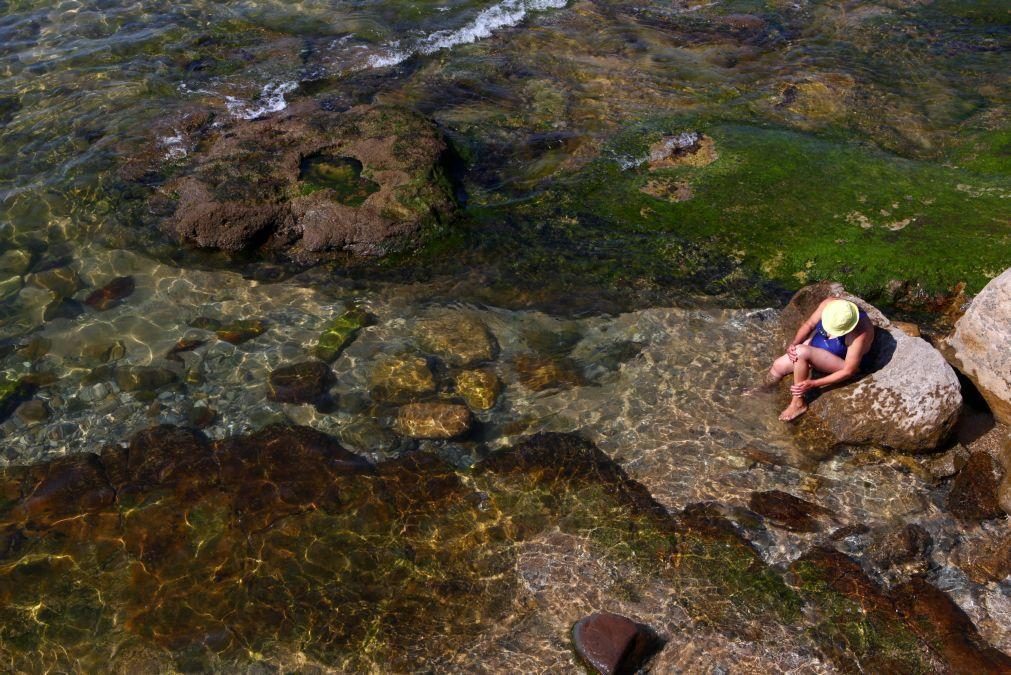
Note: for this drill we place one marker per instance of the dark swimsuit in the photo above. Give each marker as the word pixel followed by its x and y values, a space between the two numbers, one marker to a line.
pixel 834 345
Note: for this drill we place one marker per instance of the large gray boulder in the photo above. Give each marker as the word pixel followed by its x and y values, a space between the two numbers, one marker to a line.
pixel 908 397
pixel 980 345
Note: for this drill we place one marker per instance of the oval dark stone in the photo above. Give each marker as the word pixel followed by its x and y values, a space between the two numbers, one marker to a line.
pixel 612 644
pixel 305 382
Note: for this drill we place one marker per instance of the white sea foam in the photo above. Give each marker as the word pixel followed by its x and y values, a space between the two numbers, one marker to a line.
pixel 174 146
pixel 502 15
pixel 271 100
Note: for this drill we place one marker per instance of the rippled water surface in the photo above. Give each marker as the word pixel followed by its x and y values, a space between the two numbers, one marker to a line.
pixel 640 327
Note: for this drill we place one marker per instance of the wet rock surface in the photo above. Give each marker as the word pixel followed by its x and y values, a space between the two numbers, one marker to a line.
pixel 478 388
pixel 907 398
pixel 788 511
pixel 433 420
pixel 401 379
pixel 305 382
pixel 187 553
pixel 980 345
pixel 308 182
pixel 612 644
pixel 459 340
pixel 974 492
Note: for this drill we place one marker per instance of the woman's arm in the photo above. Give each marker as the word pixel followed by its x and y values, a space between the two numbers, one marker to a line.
pixel 805 329
pixel 854 353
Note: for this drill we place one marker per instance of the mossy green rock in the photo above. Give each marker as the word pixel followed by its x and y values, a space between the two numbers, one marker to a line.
pixel 339 333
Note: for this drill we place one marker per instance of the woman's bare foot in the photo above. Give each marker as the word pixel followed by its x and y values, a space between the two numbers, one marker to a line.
pixel 796 408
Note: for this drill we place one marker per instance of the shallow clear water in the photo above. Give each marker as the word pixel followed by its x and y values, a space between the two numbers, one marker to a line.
pixel 536 89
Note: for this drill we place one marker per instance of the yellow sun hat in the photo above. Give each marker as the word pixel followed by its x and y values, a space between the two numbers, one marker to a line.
pixel 839 317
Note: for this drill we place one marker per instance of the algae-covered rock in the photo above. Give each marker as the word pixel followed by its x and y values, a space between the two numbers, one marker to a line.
pixel 458 339
pixel 907 398
pixel 13 392
pixel 400 379
pixel 689 148
pixel 311 182
pixel 433 420
pixel 339 333
pixel 478 388
pixel 980 345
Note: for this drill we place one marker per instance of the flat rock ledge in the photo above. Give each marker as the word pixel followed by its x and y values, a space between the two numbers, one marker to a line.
pixel 908 397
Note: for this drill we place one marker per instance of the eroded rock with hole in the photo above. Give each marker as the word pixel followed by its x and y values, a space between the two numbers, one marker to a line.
pixel 310 183
pixel 907 397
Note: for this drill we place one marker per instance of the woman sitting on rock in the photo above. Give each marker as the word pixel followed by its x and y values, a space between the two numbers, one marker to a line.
pixel 833 340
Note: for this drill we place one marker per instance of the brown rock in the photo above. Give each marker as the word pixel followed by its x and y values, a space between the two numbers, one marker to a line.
pixel 237 332
pixel 112 294
pixel 478 388
pixel 974 492
pixel 400 379
pixel 910 329
pixel 433 420
pixel 980 345
pixel 63 281
pixel 941 623
pixel 32 412
pixel 900 546
pixel 308 181
pixel 305 382
pixel 537 374
pixel 611 644
pixel 143 378
pixel 909 397
pixel 985 556
pixel 787 511
pixel 458 339
pixel 688 148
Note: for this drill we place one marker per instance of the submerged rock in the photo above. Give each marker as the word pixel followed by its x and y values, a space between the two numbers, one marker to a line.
pixel 788 511
pixel 12 394
pixel 908 397
pixel 538 374
pixel 612 644
pixel 458 339
pixel 144 378
pixel 974 493
pixel 311 182
pixel 478 388
pixel 433 420
pixel 62 281
pixel 980 345
pixel 901 547
pixel 400 379
pixel 305 382
pixel 112 294
pixel 237 332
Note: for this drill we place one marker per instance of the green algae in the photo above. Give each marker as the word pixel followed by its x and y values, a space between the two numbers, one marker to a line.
pixel 339 333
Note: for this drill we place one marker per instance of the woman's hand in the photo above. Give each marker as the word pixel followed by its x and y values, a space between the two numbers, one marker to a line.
pixel 791 352
pixel 801 388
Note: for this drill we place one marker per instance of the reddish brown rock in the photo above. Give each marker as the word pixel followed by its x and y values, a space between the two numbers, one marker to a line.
pixel 112 294
pixel 788 511
pixel 611 644
pixel 310 182
pixel 974 492
pixel 433 420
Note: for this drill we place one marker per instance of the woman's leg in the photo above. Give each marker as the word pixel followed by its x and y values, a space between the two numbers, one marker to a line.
pixel 808 356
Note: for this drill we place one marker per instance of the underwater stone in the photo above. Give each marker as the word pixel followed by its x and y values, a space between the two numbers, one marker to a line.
pixel 305 382
pixel 237 332
pixel 339 333
pixel 400 379
pixel 788 511
pixel 612 644
pixel 32 412
pixel 478 388
pixel 433 420
pixel 460 340
pixel 974 492
pixel 537 373
pixel 143 378
pixel 905 546
pixel 12 394
pixel 112 294
pixel 63 281
pixel 14 262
